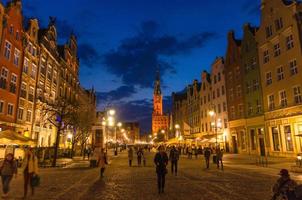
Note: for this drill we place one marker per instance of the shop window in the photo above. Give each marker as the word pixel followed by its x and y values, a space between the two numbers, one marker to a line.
pixel 275 136
pixel 288 138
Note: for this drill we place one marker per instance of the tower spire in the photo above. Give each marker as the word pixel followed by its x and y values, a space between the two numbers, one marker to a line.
pixel 157 89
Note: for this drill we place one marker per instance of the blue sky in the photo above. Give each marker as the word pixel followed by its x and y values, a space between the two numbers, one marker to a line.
pixel 123 42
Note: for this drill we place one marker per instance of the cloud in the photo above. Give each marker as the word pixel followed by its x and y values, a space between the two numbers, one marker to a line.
pixel 117 94
pixel 137 58
pixel 88 55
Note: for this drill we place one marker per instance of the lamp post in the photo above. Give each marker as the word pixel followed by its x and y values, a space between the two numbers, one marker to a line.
pixel 215 125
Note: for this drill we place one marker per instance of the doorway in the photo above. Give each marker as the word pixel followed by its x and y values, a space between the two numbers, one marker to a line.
pixel 234 141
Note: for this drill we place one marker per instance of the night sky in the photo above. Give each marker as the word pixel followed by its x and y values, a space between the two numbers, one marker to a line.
pixel 122 43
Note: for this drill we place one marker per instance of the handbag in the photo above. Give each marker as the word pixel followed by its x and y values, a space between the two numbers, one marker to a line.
pixel 35 180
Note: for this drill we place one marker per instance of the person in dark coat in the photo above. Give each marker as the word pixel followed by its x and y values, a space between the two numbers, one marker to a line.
pixel 161 161
pixel 284 186
pixel 140 154
pixel 207 154
pixel 219 155
pixel 174 157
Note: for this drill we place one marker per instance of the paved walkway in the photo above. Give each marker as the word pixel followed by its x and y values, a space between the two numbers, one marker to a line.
pixel 239 181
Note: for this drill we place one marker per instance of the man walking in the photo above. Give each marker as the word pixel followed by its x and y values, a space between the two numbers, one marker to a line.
pixel 207 154
pixel 174 157
pixel 219 155
pixel 140 154
pixel 161 161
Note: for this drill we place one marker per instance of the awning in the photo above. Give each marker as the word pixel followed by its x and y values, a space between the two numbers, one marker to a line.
pixel 9 137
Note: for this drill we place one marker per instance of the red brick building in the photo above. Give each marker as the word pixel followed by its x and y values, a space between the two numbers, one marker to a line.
pixel 10 63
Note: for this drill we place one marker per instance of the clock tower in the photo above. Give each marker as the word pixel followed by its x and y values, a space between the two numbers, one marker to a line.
pixel 159 120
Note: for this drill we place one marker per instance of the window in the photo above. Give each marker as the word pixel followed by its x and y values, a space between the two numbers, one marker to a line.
pixel 256 84
pixel 271 102
pixel 259 107
pixel 218 92
pixel 283 99
pixel 13 83
pixel 232 112
pixel 243 139
pixel 215 79
pixel 43 69
pixel 224 107
pixel 49 70
pixel 240 110
pixel 25 65
pixel 11 29
pixel 23 90
pixel 297 95
pixel 225 123
pixel 248 88
pixel 279 23
pixel 289 42
pixel 275 136
pixel 17 35
pixel 250 108
pixel 10 109
pixel 269 31
pixel 253 139
pixel 219 76
pixel 214 95
pixel 277 50
pixel 1 106
pixel 34 50
pixel 265 56
pixel 288 138
pixel 3 78
pixel 280 73
pixel 269 79
pixel 20 113
pixel 16 57
pixel 28 116
pixel 293 67
pixel 7 50
pixel 31 94
pixel 205 99
pixel 239 91
pixel 33 71
pixel 231 95
pixel 222 90
pixel 55 77
pixel 219 108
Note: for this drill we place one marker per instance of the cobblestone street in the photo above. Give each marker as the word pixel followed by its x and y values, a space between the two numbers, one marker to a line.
pixel 238 181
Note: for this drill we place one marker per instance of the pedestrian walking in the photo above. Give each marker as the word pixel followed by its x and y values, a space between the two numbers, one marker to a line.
pixel 102 162
pixel 130 156
pixel 284 188
pixel 174 157
pixel 7 170
pixel 144 160
pixel 219 155
pixel 140 154
pixel 207 154
pixel 161 161
pixel 30 170
pixel 88 153
pixel 196 152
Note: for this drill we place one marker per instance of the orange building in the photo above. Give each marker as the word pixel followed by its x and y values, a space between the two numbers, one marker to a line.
pixel 10 63
pixel 160 121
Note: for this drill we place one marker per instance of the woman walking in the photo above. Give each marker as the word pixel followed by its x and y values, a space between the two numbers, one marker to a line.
pixel 30 169
pixel 102 162
pixel 161 162
pixel 8 169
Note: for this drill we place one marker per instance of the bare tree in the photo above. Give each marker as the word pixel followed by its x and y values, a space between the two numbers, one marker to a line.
pixel 61 114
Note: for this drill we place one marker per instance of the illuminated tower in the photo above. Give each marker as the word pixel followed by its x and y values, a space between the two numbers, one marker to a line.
pixel 159 120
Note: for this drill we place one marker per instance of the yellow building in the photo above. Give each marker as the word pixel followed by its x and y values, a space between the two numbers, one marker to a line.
pixel 280 58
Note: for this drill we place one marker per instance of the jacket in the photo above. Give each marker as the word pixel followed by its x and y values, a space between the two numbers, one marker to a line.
pixel 31 164
pixel 102 160
pixel 161 161
pixel 8 168
pixel 174 155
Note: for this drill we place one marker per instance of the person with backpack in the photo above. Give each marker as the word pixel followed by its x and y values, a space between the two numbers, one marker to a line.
pixel 8 170
pixel 174 157
pixel 207 155
pixel 30 170
pixel 161 161
pixel 102 162
pixel 284 188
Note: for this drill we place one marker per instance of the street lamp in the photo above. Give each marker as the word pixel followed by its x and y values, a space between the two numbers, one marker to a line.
pixel 111 112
